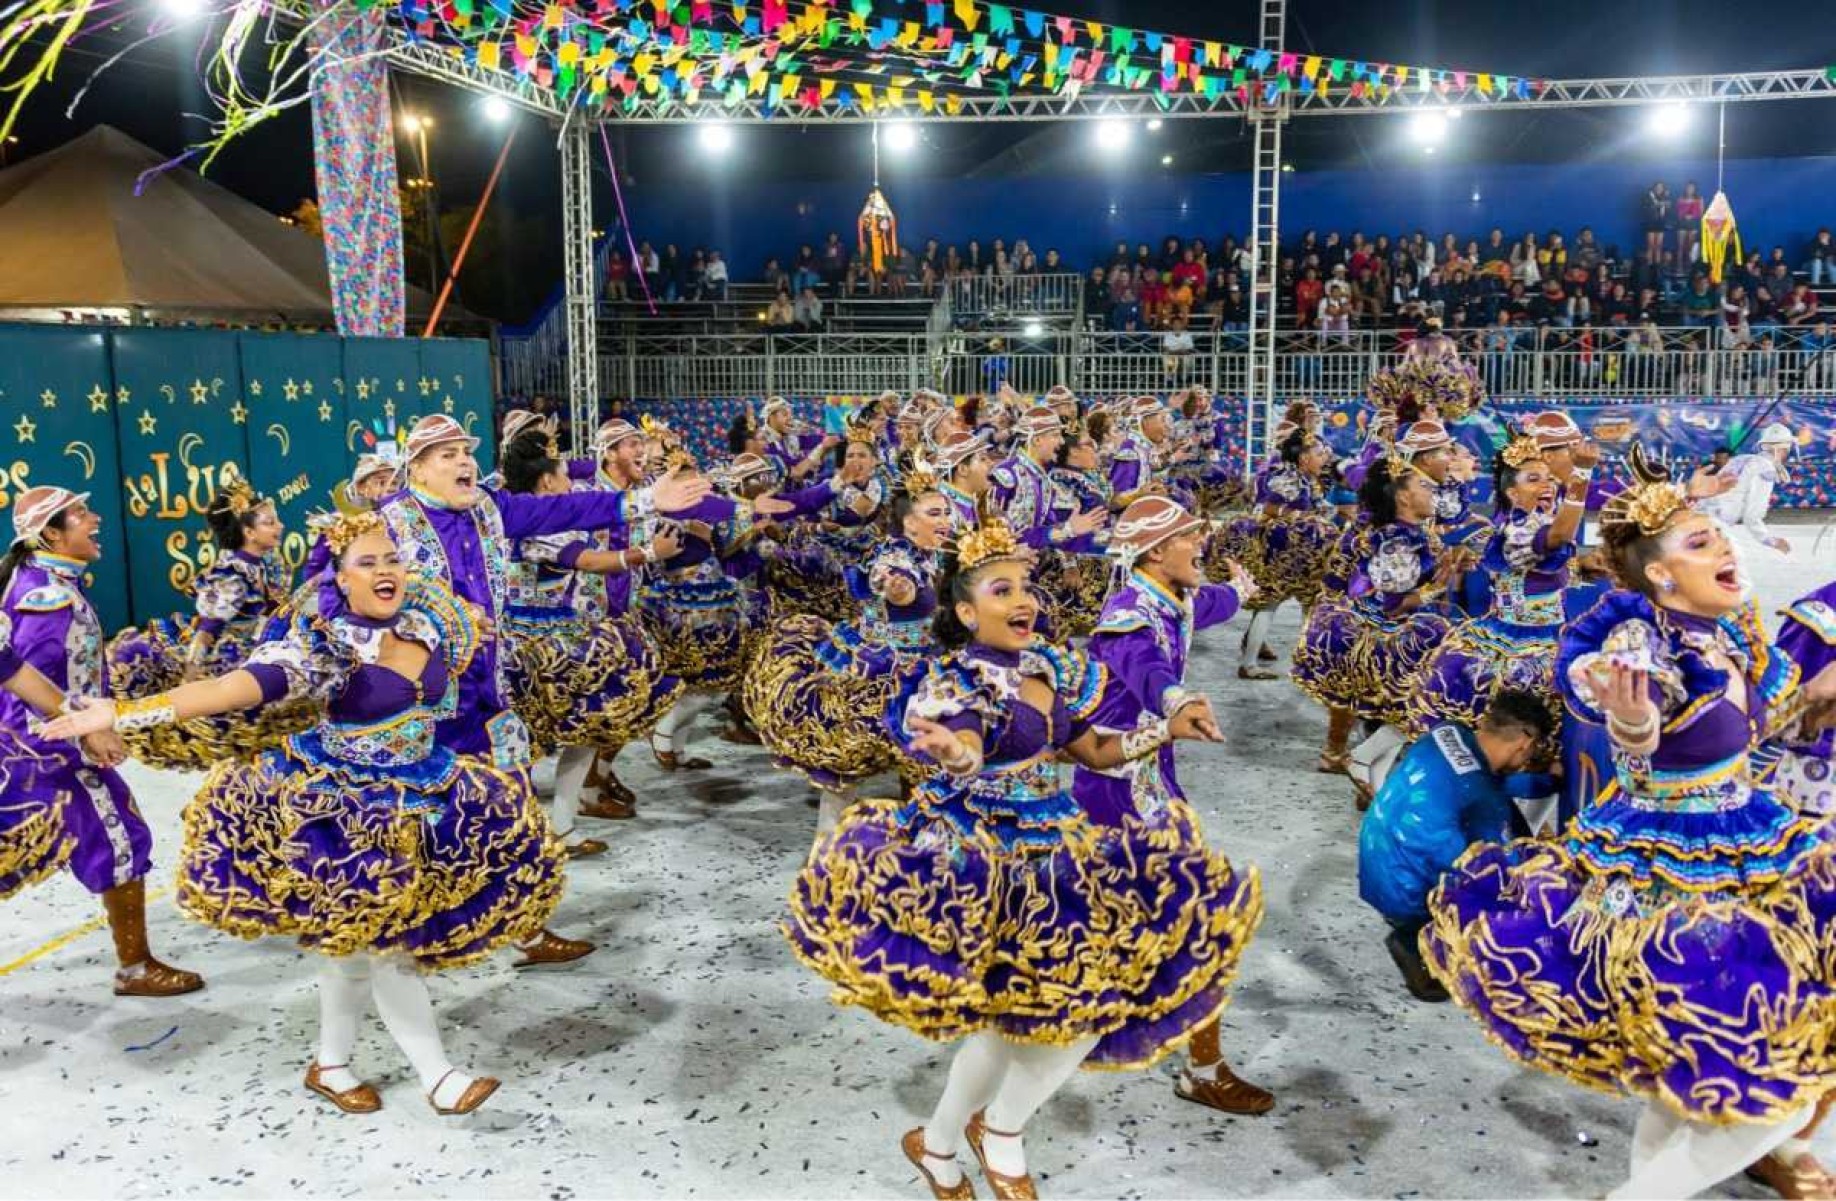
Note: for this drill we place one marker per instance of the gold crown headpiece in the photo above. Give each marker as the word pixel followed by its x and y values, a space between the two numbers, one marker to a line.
pixel 920 477
pixel 990 540
pixel 653 428
pixel 1400 467
pixel 1520 450
pixel 239 497
pixel 1652 501
pixel 860 429
pixel 341 529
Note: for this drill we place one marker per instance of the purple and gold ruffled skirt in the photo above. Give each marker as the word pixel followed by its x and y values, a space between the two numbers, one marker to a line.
pixel 34 840
pixel 1073 588
pixel 1131 934
pixel 706 630
pixel 816 694
pixel 445 861
pixel 1351 657
pixel 143 663
pixel 585 683
pixel 1476 660
pixel 1589 960
pixel 809 579
pixel 1286 556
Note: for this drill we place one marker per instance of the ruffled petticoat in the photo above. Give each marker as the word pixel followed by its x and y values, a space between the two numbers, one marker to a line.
pixel 1681 956
pixel 1351 656
pixel 817 695
pixel 446 860
pixel 34 841
pixel 810 577
pixel 958 913
pixel 143 663
pixel 585 683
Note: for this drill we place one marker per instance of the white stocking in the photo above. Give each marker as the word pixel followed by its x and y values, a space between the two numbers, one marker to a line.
pixel 571 767
pixel 401 998
pixel 1034 1075
pixel 1375 754
pixel 673 728
pixel 830 806
pixel 976 1071
pixel 343 984
pixel 1256 638
pixel 1675 1157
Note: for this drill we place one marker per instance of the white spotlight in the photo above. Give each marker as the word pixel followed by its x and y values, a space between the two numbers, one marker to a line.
pixel 1166 160
pixel 1475 197
pixel 1454 114
pixel 1033 329
pixel 1154 125
pixel 901 136
pixel 1429 128
pixel 1427 149
pixel 715 137
pixel 1112 134
pixel 1669 120
pixel 496 109
pixel 182 10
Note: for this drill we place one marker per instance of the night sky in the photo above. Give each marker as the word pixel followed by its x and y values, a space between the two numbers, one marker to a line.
pixel 150 93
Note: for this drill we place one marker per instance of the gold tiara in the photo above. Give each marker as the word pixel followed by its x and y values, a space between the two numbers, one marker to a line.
pixel 652 427
pixel 1400 466
pixel 341 529
pixel 1651 503
pixel 239 497
pixel 989 541
pixel 920 477
pixel 1521 450
pixel 862 432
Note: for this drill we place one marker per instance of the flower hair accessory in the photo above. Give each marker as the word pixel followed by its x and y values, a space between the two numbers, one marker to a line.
pixel 1651 503
pixel 920 477
pixel 341 529
pixel 991 540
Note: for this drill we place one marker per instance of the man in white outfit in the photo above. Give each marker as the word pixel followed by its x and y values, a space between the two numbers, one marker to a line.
pixel 1754 476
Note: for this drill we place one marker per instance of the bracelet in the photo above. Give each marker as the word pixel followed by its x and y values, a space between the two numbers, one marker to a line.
pixel 1140 743
pixel 964 763
pixel 155 710
pixel 643 557
pixel 1632 733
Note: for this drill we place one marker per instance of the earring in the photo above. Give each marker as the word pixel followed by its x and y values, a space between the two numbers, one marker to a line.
pixel 970 626
pixel 1668 586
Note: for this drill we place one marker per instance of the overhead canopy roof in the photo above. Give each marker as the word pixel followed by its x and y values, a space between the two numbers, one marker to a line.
pixel 77 237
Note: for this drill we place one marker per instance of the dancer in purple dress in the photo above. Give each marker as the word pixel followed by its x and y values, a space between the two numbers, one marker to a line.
pixel 990 910
pixel 55 631
pixel 450 530
pixel 1142 640
pixel 1066 572
pixel 376 847
pixel 1665 946
pixel 1286 542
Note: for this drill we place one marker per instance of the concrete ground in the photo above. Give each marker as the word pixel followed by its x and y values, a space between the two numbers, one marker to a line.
pixel 692 1057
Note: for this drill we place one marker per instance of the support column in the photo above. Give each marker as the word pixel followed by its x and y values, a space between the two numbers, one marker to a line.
pixel 1265 250
pixel 582 295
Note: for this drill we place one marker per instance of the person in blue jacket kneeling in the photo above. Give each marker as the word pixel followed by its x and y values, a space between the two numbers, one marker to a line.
pixel 1453 788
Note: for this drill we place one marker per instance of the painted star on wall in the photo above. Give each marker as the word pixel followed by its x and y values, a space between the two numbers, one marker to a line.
pixel 98 400
pixel 200 391
pixel 290 390
pixel 148 423
pixel 325 410
pixel 255 388
pixel 363 389
pixel 305 387
pixel 24 430
pixel 122 395
pixel 48 398
pixel 447 404
pixel 238 414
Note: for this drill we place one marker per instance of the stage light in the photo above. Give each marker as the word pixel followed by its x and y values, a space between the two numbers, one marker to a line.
pixel 901 136
pixel 1454 114
pixel 1287 168
pixel 715 137
pixel 1166 160
pixel 1427 149
pixel 1154 125
pixel 415 123
pixel 183 10
pixel 1669 120
pixel 497 110
pixel 1034 329
pixel 1429 128
pixel 1112 133
pixel 1475 196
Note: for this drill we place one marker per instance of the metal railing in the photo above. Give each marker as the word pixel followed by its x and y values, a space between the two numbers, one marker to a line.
pixel 1529 362
pixel 972 297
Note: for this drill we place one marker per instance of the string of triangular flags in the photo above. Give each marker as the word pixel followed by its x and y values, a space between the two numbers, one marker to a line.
pixel 850 54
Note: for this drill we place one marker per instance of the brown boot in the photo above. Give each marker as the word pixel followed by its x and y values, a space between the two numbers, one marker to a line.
pixel 1798 1176
pixel 1336 757
pixel 608 807
pixel 140 975
pixel 1220 1088
pixel 550 949
pixel 595 777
